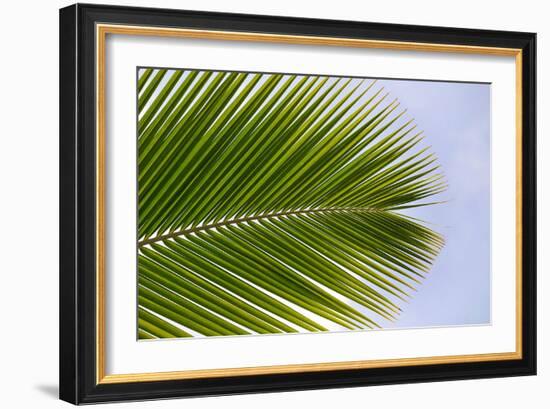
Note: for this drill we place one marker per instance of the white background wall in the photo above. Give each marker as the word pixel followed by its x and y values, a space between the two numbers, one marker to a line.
pixel 29 202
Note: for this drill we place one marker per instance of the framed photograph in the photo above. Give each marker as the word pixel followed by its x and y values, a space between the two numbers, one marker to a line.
pixel 257 203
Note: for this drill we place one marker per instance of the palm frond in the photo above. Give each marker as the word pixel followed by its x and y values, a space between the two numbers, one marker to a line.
pixel 268 203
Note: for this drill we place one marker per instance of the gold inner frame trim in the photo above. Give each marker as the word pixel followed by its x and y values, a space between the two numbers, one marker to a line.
pixel 101 32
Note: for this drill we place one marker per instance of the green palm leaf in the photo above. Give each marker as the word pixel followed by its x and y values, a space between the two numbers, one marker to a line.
pixel 270 203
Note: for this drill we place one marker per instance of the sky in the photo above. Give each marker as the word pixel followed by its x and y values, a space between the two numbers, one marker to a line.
pixel 455 118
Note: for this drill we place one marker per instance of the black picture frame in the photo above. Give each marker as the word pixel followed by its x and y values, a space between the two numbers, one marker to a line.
pixel 78 360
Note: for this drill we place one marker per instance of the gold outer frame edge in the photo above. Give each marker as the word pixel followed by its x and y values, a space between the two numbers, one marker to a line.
pixel 519 203
pixel 282 369
pixel 101 32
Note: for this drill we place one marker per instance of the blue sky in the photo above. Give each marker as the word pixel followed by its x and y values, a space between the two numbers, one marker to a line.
pixel 455 118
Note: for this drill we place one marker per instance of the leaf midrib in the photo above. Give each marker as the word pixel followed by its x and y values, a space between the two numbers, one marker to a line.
pixel 253 218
